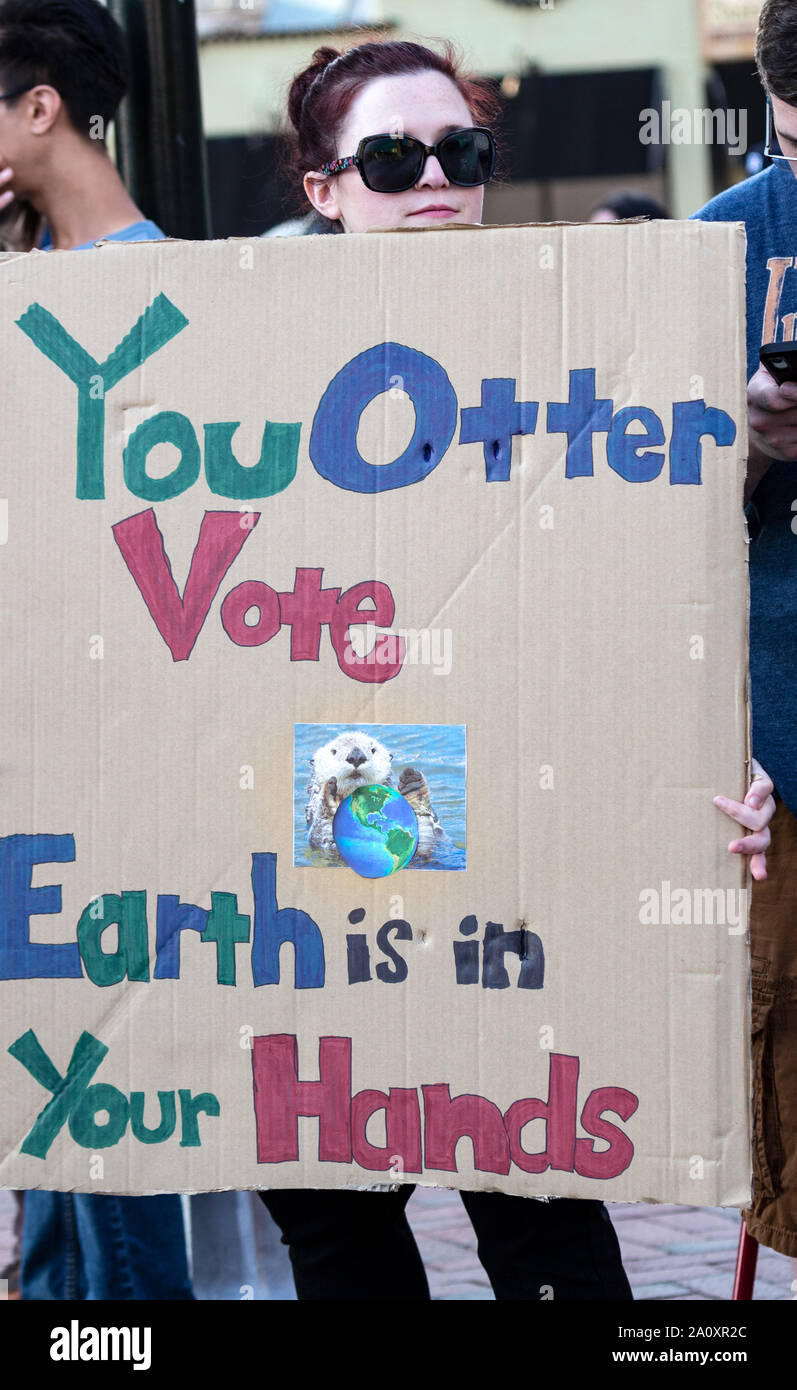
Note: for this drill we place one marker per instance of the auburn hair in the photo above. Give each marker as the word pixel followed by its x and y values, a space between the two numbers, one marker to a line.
pixel 320 96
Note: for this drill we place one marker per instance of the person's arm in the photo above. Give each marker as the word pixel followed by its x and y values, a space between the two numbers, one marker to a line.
pixel 772 425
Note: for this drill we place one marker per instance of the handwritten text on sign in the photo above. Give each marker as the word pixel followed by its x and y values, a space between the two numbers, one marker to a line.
pixel 634 439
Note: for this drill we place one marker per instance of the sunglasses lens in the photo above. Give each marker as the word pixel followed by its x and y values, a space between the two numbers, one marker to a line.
pixel 391 164
pixel 467 157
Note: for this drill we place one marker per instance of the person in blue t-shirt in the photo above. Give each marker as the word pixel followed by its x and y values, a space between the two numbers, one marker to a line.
pixel 767 204
pixel 62 75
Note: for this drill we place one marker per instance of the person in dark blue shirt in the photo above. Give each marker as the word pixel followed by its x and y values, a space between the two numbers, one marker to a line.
pixel 767 205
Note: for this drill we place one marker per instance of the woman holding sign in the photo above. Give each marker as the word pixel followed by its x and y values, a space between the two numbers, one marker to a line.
pixel 393 135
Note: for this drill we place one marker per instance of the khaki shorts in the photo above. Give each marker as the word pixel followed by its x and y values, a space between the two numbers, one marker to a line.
pixel 772 1218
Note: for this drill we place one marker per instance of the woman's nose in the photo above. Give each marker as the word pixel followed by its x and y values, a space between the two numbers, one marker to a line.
pixel 432 175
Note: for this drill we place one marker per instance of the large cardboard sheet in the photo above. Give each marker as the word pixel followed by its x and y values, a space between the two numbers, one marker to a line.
pixel 488 551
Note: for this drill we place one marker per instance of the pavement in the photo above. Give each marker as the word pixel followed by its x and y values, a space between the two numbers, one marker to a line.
pixel 670 1253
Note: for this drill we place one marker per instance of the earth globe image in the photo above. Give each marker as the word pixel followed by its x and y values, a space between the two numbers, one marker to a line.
pixel 376 831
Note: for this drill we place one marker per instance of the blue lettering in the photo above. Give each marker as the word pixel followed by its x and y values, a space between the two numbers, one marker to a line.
pixel 623 449
pixel 690 421
pixel 495 421
pixel 174 917
pixel 21 958
pixel 333 441
pixel 579 418
pixel 273 927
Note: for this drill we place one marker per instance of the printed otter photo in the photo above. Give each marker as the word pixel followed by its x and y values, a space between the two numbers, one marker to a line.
pixel 424 763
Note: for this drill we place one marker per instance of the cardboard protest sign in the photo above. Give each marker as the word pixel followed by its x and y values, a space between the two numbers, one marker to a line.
pixel 323 557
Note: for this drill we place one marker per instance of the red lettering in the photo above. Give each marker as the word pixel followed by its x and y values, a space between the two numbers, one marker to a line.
pixel 448 1120
pixel 280 1098
pixel 559 1114
pixel 402 1126
pixel 614 1160
pixel 252 594
pixel 306 610
pixel 179 620
pixel 387 657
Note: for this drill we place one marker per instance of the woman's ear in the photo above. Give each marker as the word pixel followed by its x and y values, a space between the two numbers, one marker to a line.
pixel 321 193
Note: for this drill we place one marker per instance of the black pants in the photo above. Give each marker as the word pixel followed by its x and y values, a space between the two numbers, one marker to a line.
pixel 358 1245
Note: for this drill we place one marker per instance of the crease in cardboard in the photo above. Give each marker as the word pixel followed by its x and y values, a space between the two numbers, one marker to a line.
pixel 471 574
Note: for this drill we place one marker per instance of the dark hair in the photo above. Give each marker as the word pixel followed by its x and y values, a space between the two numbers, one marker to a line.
pixel 630 205
pixel 74 46
pixel 320 95
pixel 776 49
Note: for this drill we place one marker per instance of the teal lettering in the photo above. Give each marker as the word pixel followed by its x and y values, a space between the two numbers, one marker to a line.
pixel 159 323
pixel 273 472
pixel 131 957
pixel 83 1124
pixel 76 1103
pixel 167 427
pixel 226 925
pixel 191 1107
pixel 168 1119
pixel 86 1058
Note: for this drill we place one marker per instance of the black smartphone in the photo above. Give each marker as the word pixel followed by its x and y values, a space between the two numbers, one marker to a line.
pixel 780 360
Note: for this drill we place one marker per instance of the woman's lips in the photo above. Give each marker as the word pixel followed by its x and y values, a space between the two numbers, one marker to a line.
pixel 435 210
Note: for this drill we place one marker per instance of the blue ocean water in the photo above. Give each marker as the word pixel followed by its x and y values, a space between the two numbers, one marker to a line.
pixel 437 750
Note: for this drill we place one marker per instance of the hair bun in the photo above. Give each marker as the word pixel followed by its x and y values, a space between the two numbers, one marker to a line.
pixel 303 81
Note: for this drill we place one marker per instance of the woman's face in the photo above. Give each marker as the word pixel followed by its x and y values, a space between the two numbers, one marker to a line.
pixel 424 104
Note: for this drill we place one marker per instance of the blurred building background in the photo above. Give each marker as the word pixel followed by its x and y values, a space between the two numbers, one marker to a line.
pixel 575 75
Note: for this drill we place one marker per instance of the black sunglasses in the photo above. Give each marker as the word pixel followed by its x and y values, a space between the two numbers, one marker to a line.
pixel 394 163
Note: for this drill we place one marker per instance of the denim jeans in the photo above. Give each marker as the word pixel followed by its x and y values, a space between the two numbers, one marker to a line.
pixel 95 1246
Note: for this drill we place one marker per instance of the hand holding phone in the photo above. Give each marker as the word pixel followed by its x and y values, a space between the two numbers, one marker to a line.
pixel 780 360
pixel 772 407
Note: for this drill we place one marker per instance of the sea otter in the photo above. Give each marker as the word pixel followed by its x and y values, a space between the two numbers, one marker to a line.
pixel 357 760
